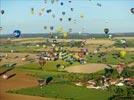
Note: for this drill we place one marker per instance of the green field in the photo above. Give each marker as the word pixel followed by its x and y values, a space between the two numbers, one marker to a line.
pixel 65 91
pixel 63 88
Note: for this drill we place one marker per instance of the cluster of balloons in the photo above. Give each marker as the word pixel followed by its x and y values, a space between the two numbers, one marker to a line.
pixel 49 11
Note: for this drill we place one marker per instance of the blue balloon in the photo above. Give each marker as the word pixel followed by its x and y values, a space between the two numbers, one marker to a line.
pixel 61 3
pixel 17 33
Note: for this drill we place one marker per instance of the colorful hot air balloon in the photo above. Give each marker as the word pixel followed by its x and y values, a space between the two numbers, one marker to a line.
pixel 2 12
pixel 123 54
pixel 106 30
pixel 17 33
pixel 32 11
pixel 132 10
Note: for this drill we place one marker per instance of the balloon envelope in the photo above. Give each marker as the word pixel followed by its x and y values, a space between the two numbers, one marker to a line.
pixel 0 28
pixel 17 33
pixel 61 19
pixel 32 11
pixel 69 19
pixel 72 9
pixel 45 27
pixel 49 79
pixel 69 1
pixel 61 3
pixel 132 10
pixel 51 27
pixel 98 4
pixel 2 12
pixel 63 13
pixel 123 54
pixel 106 30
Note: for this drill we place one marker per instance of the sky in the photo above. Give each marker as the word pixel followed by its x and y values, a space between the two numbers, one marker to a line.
pixel 113 14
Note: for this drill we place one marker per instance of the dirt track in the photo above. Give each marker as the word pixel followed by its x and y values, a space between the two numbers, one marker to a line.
pixel 12 59
pixel 18 81
pixel 88 68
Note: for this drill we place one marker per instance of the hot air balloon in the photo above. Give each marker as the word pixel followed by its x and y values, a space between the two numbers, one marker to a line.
pixel 69 1
pixel 49 79
pixel 63 13
pixel 32 11
pixel 98 4
pixel 106 30
pixel 17 33
pixel 2 12
pixel 45 27
pixel 132 10
pixel 123 54
pixel 49 11
pixel 0 28
pixel 69 19
pixel 72 9
pixel 61 3
pixel 61 19
pixel 51 27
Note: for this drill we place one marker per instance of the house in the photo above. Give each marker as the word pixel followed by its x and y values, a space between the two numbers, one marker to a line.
pixel 129 81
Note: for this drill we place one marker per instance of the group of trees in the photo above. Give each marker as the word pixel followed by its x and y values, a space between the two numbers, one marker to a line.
pixel 122 93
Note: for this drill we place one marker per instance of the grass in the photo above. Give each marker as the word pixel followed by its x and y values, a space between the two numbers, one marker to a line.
pixel 65 91
pixel 129 58
pixel 19 48
pixel 61 87
pixel 130 43
pixel 49 66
